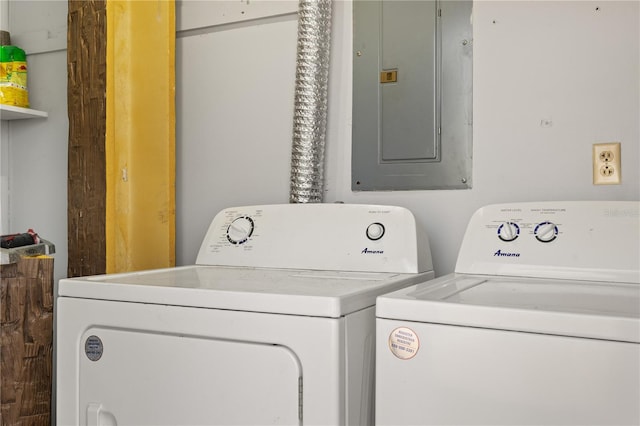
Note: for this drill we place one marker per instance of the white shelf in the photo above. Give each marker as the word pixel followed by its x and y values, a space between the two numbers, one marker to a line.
pixel 8 112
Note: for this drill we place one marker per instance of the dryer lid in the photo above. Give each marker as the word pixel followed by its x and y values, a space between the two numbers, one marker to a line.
pixel 598 310
pixel 283 291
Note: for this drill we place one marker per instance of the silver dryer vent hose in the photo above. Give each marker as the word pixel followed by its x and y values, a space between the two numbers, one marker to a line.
pixel 310 103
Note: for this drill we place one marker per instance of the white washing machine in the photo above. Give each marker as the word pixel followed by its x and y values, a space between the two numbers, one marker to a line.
pixel 273 325
pixel 539 325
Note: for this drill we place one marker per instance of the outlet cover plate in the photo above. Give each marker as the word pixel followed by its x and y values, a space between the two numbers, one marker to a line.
pixel 607 164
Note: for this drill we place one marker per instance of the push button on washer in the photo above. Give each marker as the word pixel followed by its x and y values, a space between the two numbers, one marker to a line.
pixel 375 231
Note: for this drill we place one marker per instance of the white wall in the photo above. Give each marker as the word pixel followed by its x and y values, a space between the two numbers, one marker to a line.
pixel 234 110
pixel 560 61
pixel 35 173
pixel 4 178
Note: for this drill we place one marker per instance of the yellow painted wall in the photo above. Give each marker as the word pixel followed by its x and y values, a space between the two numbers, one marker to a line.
pixel 140 139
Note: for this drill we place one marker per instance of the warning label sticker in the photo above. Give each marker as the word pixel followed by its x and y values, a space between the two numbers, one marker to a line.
pixel 93 348
pixel 404 343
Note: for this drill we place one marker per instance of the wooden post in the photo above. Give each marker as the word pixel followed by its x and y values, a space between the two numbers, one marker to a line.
pixel 26 341
pixel 86 101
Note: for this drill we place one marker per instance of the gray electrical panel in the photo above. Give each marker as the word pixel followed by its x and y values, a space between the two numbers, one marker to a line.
pixel 412 95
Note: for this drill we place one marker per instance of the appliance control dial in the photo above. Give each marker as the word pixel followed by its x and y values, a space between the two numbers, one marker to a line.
pixel 375 231
pixel 546 232
pixel 240 230
pixel 508 231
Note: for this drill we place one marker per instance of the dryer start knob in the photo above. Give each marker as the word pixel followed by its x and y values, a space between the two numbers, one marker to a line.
pixel 240 230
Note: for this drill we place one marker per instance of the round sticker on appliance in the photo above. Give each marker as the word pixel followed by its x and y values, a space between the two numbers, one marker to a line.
pixel 404 343
pixel 93 348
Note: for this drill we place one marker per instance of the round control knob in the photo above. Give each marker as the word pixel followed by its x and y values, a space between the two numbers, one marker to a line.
pixel 546 232
pixel 375 231
pixel 240 230
pixel 508 231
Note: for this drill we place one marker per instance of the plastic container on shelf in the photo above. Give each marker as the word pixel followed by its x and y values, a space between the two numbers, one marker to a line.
pixel 13 255
pixel 13 77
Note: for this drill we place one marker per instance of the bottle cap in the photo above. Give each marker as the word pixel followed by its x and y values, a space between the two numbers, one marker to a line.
pixel 5 38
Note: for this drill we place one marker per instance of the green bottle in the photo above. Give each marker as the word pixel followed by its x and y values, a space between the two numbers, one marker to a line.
pixel 13 77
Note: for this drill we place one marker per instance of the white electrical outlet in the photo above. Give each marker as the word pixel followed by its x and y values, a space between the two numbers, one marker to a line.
pixel 606 163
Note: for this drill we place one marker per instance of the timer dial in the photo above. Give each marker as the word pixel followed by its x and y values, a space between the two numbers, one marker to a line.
pixel 546 232
pixel 508 231
pixel 240 230
pixel 375 231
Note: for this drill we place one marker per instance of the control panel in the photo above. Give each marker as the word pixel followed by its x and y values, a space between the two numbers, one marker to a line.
pixel 545 232
pixel 340 237
pixel 589 240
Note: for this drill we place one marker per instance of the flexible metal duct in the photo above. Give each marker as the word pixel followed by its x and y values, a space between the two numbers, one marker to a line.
pixel 310 104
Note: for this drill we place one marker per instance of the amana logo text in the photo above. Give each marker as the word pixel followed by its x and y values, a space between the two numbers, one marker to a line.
pixel 500 253
pixel 367 251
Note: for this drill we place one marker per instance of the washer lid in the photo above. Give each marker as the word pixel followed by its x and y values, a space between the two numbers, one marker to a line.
pixel 598 310
pixel 283 291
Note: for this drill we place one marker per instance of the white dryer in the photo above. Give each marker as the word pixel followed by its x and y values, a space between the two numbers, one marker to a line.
pixel 540 323
pixel 273 325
